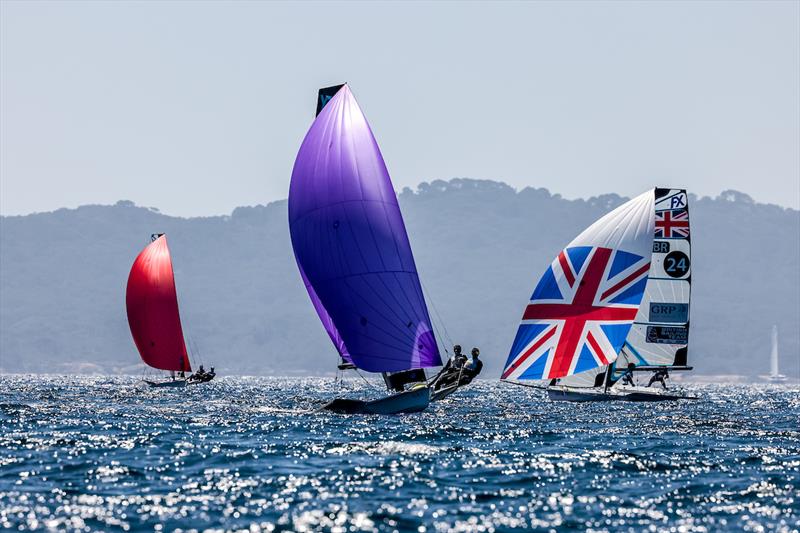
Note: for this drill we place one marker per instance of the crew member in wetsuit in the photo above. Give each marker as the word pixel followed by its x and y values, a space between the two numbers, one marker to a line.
pixel 627 377
pixel 199 376
pixel 210 375
pixel 458 358
pixel 659 376
pixel 473 368
pixel 451 370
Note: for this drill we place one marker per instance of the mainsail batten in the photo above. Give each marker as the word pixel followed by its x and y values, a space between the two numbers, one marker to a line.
pixel 351 244
pixel 152 307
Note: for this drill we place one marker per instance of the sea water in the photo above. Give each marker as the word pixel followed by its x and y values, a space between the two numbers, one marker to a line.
pixel 92 453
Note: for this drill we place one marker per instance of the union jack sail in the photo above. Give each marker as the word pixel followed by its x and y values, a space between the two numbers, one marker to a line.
pixel 582 308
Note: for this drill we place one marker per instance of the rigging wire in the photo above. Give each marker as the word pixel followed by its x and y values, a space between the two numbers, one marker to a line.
pixel 190 350
pixel 338 380
pixel 365 380
pixel 439 318
pixel 195 350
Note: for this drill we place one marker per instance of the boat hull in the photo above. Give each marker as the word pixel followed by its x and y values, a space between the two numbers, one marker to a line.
pixel 443 385
pixel 166 384
pixel 564 394
pixel 648 394
pixel 443 393
pixel 627 394
pixel 779 378
pixel 412 401
pixel 650 397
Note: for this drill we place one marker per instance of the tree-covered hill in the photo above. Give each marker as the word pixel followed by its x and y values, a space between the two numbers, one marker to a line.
pixel 480 246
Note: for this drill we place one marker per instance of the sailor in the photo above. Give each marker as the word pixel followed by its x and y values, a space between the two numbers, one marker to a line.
pixel 199 375
pixel 458 358
pixel 474 367
pixel 452 369
pixel 210 374
pixel 659 376
pixel 627 377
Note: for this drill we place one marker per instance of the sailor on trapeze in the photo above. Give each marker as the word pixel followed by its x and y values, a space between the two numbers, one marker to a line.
pixel 659 376
pixel 457 371
pixel 201 376
pixel 452 368
pixel 474 367
pixel 458 358
pixel 627 377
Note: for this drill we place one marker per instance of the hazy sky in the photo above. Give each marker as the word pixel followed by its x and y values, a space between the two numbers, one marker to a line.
pixel 196 108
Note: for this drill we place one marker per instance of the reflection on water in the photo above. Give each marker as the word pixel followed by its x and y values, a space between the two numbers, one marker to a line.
pixel 239 453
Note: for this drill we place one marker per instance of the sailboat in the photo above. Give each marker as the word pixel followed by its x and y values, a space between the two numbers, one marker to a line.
pixel 774 374
pixel 152 306
pixel 355 259
pixel 613 303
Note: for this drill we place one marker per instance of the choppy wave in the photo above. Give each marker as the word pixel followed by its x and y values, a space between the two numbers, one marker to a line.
pixel 251 453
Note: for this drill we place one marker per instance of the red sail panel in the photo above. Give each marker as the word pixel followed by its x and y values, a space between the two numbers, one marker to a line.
pixel 152 305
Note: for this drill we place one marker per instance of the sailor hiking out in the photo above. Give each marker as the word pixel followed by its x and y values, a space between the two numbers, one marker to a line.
pixel 659 376
pixel 201 376
pixel 457 372
pixel 474 367
pixel 627 377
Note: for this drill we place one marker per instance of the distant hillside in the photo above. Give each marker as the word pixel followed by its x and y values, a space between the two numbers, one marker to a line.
pixel 480 246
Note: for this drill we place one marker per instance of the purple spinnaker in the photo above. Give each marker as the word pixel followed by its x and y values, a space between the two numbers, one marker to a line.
pixel 325 318
pixel 352 247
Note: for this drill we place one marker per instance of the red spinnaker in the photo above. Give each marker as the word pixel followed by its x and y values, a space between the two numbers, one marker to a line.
pixel 153 309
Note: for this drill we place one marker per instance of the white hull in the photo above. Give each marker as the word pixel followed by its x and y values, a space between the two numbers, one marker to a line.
pixel 570 394
pixel 780 378
pixel 614 394
pixel 173 383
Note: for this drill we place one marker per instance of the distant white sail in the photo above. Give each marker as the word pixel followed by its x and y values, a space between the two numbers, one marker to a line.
pixel 774 375
pixel 773 367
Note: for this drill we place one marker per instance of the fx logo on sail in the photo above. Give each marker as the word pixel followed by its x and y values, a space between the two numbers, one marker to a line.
pixel 678 201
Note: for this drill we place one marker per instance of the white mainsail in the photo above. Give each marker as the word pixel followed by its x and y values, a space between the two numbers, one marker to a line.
pixel 774 372
pixel 660 333
pixel 773 356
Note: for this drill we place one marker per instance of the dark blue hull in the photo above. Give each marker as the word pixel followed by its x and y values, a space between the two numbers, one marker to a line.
pixel 412 401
